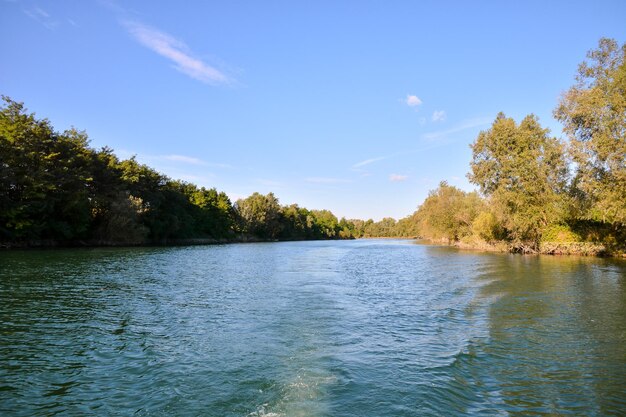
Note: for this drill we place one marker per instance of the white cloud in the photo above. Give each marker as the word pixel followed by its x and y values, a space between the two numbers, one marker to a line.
pixel 177 52
pixel 326 180
pixel 368 161
pixel 412 101
pixel 439 116
pixel 398 177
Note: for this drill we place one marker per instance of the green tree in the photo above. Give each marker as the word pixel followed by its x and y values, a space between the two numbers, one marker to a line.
pixel 296 222
pixel 593 113
pixel 448 213
pixel 407 227
pixel 523 172
pixel 386 227
pixel 326 224
pixel 215 215
pixel 54 186
pixel 359 226
pixel 487 227
pixel 346 229
pixel 44 178
pixel 260 215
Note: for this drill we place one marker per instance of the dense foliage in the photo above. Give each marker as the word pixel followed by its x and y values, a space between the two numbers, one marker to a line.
pixel 594 115
pixel 538 191
pixel 54 188
pixel 523 173
pixel 540 194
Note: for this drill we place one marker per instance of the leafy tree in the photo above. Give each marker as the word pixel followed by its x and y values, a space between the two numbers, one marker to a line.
pixel 54 186
pixel 407 227
pixel 386 227
pixel 524 173
pixel 297 223
pixel 260 215
pixel 120 221
pixel 326 224
pixel 448 213
pixel 593 113
pixel 346 229
pixel 359 226
pixel 44 178
pixel 215 216
pixel 487 227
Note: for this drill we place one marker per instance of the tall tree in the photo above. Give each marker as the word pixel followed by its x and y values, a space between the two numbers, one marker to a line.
pixel 260 215
pixel 448 213
pixel 593 113
pixel 44 177
pixel 215 216
pixel 523 171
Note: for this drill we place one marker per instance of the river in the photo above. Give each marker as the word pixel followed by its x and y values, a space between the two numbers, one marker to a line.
pixel 326 328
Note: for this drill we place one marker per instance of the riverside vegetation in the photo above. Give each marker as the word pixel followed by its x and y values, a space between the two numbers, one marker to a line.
pixel 538 193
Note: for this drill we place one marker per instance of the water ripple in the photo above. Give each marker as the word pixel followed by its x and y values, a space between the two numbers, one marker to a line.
pixel 362 328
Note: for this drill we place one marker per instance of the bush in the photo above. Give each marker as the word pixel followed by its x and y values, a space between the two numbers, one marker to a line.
pixel 486 227
pixel 560 233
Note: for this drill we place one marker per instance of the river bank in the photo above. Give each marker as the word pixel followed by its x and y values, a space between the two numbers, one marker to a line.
pixel 52 244
pixel 545 248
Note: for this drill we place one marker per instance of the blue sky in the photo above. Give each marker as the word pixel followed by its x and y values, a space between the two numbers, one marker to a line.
pixel 360 107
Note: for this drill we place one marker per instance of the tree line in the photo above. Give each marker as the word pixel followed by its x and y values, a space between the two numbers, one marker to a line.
pixel 56 189
pixel 537 193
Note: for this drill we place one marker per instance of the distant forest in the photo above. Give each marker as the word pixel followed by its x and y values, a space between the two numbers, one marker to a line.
pixel 537 193
pixel 55 189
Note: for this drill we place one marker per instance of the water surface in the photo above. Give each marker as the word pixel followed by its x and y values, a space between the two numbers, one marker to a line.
pixel 348 328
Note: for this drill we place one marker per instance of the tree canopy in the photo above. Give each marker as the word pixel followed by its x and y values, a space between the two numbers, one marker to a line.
pixel 523 172
pixel 593 112
pixel 54 187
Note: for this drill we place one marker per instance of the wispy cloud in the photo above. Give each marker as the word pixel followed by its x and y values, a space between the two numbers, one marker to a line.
pixel 185 159
pixel 412 100
pixel 201 180
pixel 368 161
pixel 177 159
pixel 40 15
pixel 190 160
pixel 177 52
pixel 326 180
pixel 468 124
pixel 219 165
pixel 398 177
pixel 439 116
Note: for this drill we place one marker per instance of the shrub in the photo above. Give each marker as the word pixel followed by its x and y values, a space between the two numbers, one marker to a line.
pixel 560 233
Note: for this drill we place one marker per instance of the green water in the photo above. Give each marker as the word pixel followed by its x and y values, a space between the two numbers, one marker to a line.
pixel 348 328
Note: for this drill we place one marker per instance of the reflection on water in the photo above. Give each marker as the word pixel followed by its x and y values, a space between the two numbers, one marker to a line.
pixel 558 336
pixel 361 328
